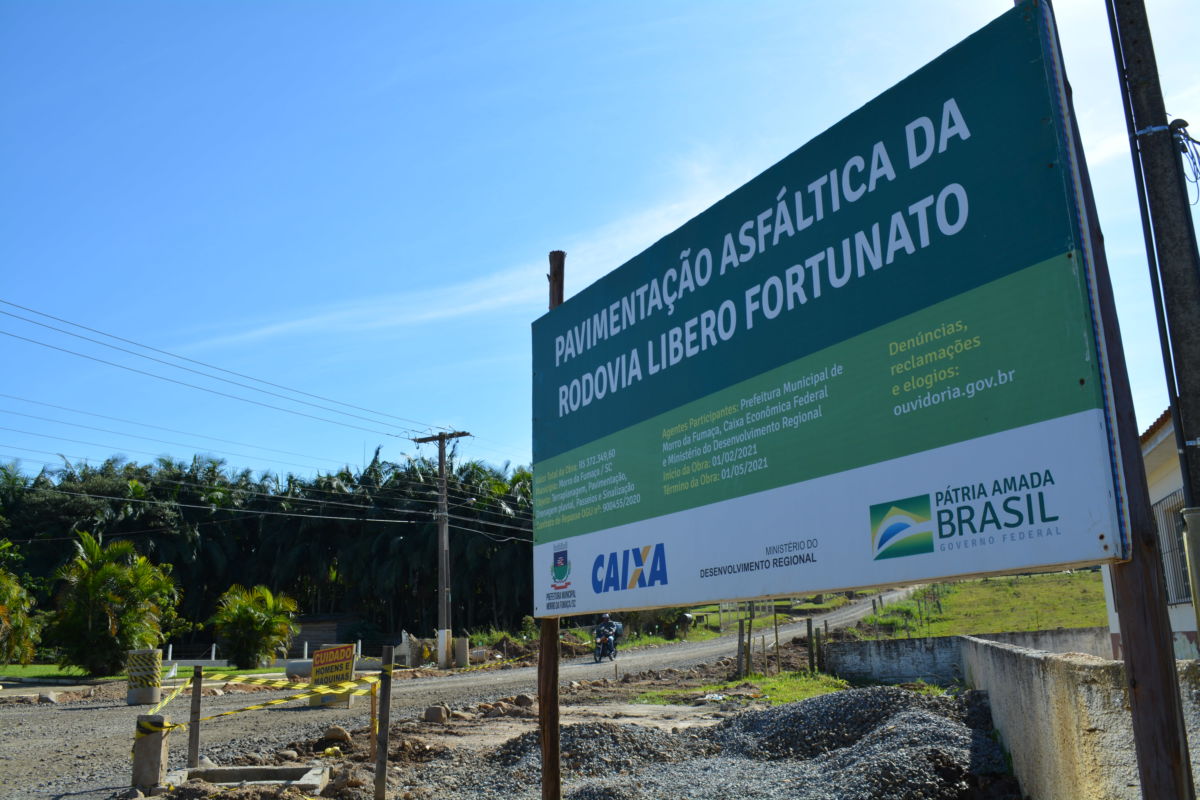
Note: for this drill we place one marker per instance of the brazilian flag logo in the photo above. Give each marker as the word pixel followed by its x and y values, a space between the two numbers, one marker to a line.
pixel 902 528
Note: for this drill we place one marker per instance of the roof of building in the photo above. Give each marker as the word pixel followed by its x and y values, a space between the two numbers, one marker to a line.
pixel 1163 420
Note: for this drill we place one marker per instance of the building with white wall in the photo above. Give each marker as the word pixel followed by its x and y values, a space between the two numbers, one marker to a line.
pixel 1161 458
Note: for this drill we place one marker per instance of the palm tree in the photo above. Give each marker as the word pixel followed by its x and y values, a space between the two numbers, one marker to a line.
pixel 112 600
pixel 18 630
pixel 254 623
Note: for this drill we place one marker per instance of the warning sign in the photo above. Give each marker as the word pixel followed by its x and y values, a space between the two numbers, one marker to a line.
pixel 332 665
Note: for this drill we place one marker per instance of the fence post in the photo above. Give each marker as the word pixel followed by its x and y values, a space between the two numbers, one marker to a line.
pixel 812 653
pixel 385 722
pixel 750 641
pixel 778 656
pixel 194 722
pixel 740 657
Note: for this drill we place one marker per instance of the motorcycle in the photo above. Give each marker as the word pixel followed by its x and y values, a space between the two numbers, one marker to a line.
pixel 605 646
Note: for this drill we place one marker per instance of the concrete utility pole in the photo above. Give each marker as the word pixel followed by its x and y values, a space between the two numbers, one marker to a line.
pixel 444 641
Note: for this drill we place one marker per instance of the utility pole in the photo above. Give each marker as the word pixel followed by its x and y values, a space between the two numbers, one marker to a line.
pixel 444 642
pixel 1170 251
pixel 1155 145
pixel 1159 733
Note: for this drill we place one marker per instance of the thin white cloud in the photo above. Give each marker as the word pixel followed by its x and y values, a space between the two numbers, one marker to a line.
pixel 590 255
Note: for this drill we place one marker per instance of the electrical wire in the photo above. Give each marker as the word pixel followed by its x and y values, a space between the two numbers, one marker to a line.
pixel 473 504
pixel 200 373
pixel 210 366
pixel 128 449
pixel 162 428
pixel 145 438
pixel 288 498
pixel 202 388
pixel 261 512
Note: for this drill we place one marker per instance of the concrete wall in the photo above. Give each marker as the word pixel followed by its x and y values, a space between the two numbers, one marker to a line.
pixel 1090 641
pixel 939 660
pixel 933 660
pixel 1064 718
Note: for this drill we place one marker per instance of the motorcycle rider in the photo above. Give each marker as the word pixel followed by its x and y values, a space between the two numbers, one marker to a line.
pixel 606 627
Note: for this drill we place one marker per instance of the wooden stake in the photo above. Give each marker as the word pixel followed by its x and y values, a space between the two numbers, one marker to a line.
pixel 193 758
pixel 750 642
pixel 778 664
pixel 812 649
pixel 385 722
pixel 374 721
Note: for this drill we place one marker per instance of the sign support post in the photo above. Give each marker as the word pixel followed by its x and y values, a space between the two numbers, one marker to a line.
pixel 548 653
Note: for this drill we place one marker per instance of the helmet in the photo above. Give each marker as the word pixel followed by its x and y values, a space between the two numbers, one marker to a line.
pixel 604 617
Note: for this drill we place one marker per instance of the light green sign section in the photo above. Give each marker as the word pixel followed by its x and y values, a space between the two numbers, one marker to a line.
pixel 1010 353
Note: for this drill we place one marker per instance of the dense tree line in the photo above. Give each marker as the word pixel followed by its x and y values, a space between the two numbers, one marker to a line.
pixel 362 543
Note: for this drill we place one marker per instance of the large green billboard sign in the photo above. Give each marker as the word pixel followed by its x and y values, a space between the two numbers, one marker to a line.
pixel 876 362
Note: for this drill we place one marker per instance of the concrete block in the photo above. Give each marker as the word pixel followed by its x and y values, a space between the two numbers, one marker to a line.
pixel 461 646
pixel 150 752
pixel 309 780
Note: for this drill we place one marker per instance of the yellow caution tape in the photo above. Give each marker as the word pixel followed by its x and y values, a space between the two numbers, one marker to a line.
pixel 490 665
pixel 171 696
pixel 144 669
pixel 145 728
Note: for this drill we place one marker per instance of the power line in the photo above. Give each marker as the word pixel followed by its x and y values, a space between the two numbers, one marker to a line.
pixel 201 363
pixel 254 512
pixel 146 438
pixel 198 372
pixel 162 428
pixel 294 499
pixel 129 449
pixel 472 502
pixel 201 388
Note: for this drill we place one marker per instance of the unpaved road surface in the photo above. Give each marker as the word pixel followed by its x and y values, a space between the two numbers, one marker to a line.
pixel 80 750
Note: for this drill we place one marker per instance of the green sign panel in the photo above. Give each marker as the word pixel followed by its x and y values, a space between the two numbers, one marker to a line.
pixel 874 362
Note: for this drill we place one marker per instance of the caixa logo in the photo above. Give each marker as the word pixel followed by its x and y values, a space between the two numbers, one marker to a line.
pixel 635 568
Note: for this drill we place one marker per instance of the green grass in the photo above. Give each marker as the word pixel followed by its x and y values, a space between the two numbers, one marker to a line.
pixel 995 605
pixel 787 687
pixel 40 671
pixel 489 637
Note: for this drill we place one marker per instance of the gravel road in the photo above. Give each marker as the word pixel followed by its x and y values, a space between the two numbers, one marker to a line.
pixel 80 751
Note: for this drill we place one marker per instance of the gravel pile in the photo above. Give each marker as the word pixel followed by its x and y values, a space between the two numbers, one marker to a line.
pixel 602 748
pixel 866 744
pixel 827 722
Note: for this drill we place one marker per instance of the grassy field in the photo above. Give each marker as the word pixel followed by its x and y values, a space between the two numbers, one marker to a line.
pixel 786 687
pixel 995 605
pixel 36 671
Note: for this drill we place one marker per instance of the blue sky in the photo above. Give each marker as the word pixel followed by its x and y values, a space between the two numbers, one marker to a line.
pixel 356 199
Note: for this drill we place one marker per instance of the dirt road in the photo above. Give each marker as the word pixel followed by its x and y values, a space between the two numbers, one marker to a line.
pixel 81 750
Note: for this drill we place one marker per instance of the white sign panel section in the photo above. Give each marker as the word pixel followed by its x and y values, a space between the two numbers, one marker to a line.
pixel 970 508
